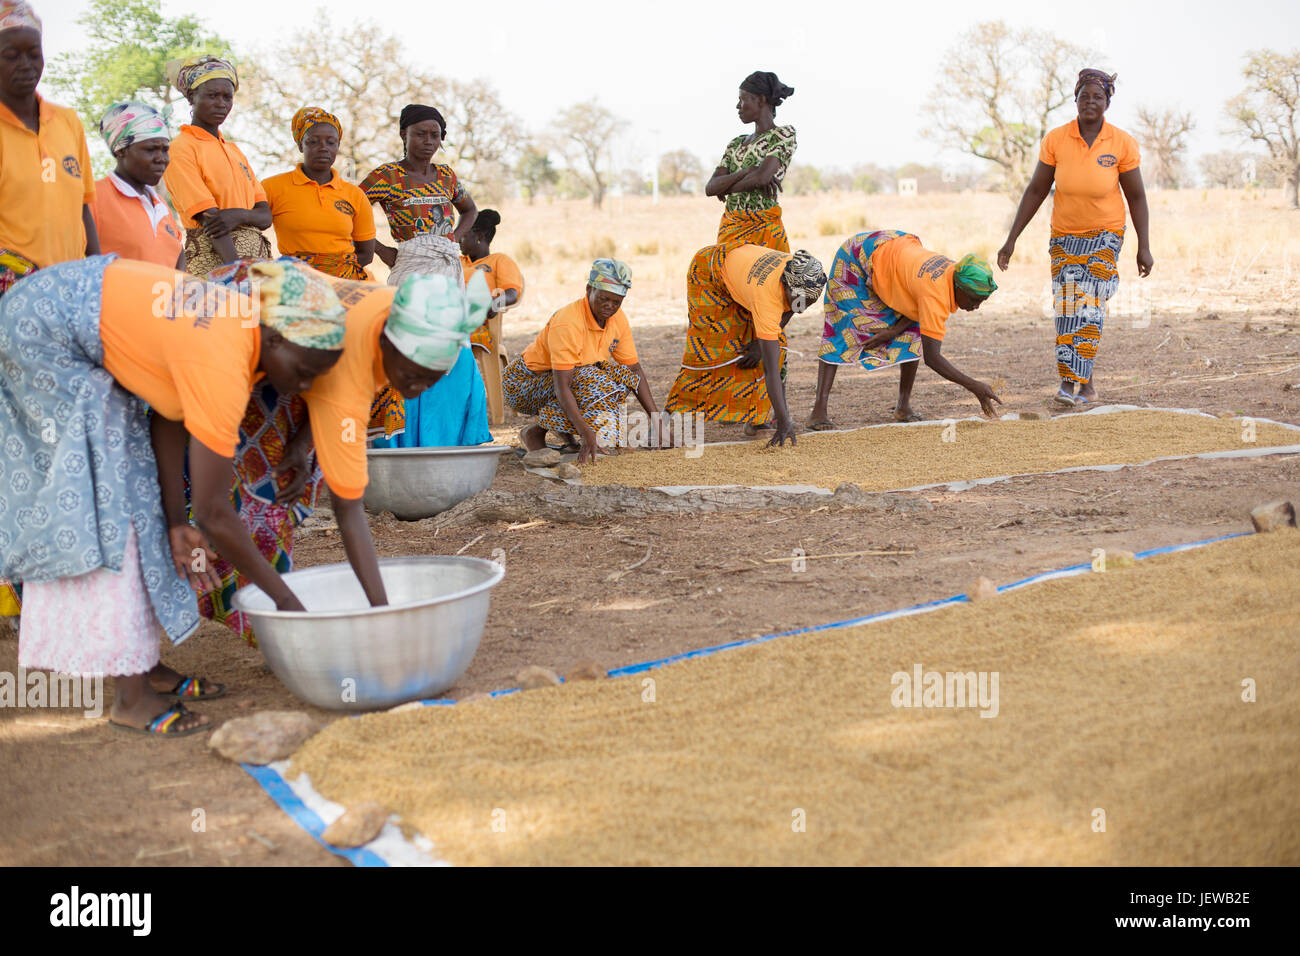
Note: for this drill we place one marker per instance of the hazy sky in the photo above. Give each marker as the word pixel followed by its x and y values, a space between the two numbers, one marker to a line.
pixel 861 71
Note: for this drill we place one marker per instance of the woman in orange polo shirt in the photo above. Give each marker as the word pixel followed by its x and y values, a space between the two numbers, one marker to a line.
pixel 131 217
pixel 319 217
pixel 92 501
pixel 45 182
pixel 222 205
pixel 577 372
pixel 1091 162
pixel 739 299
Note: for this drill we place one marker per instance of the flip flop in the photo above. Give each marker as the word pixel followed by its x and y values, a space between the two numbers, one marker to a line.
pixel 161 726
pixel 1063 398
pixel 821 425
pixel 1080 400
pixel 908 418
pixel 191 688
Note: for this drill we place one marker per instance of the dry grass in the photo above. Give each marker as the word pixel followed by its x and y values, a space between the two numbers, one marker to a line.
pixel 1119 692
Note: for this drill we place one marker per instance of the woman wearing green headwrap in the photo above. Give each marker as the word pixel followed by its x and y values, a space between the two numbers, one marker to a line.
pixel 887 303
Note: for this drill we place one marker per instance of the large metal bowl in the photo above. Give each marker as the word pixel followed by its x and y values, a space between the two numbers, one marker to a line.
pixel 416 483
pixel 343 654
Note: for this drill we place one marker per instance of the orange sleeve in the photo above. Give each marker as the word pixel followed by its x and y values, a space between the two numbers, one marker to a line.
pixel 339 434
pixel 185 182
pixel 508 276
pixel 769 307
pixel 213 402
pixel 363 220
pixel 1047 152
pixel 624 350
pixel 931 307
pixel 565 343
pixel 1132 157
pixel 83 157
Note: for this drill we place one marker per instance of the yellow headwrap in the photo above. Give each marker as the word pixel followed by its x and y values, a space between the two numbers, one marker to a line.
pixel 193 71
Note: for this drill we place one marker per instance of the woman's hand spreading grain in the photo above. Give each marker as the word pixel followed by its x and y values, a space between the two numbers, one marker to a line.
pixel 984 392
pixel 784 430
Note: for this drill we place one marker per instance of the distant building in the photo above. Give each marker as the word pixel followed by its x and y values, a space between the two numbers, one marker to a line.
pixel 907 187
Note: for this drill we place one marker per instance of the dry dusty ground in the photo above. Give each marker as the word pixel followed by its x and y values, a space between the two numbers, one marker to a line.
pixel 76 792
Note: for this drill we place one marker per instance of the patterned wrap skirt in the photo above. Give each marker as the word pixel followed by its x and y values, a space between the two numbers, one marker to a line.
pixel 1085 274
pixel 201 255
pixel 710 381
pixel 12 268
pixel 270 421
pixel 854 313
pixel 599 389
pixel 343 266
pixel 77 470
pixel 755 228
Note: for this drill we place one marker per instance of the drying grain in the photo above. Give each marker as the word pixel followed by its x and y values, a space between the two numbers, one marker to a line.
pixel 1120 693
pixel 905 456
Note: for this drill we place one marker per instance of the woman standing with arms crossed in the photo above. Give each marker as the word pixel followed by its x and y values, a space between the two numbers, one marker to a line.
pixel 1090 162
pixel 749 177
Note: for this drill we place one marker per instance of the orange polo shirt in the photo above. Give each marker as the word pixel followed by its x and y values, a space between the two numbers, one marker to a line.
pixel 182 345
pixel 502 274
pixel 209 172
pixel 45 180
pixel 572 337
pixel 1088 196
pixel 309 217
pixel 752 274
pixel 915 282
pixel 127 228
pixel 338 402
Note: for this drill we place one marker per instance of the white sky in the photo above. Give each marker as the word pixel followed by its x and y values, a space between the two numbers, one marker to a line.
pixel 861 71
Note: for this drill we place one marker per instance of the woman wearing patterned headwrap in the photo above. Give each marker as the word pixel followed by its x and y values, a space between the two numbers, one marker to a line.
pixel 92 503
pixel 887 303
pixel 420 198
pixel 319 218
pixel 222 205
pixel 739 299
pixel 46 188
pixel 753 167
pixel 576 374
pixel 133 220
pixel 1091 162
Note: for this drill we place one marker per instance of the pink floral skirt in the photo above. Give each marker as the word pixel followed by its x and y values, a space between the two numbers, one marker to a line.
pixel 101 623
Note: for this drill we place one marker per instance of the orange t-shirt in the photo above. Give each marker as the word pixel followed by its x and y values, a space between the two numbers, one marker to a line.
pixel 309 217
pixel 209 172
pixel 571 337
pixel 338 402
pixel 127 228
pixel 1088 196
pixel 45 180
pixel 186 347
pixel 915 282
pixel 502 274
pixel 752 274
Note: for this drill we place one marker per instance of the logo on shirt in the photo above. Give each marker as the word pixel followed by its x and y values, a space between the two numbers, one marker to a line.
pixel 344 206
pixel 613 346
pixel 1106 159
pixel 933 267
pixel 171 230
pixel 71 166
pixel 247 172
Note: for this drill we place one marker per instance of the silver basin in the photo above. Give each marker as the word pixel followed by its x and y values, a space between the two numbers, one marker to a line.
pixel 343 654
pixel 416 483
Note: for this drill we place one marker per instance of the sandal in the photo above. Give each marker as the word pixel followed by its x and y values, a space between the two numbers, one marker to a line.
pixel 193 688
pixel 821 425
pixel 162 725
pixel 911 417
pixel 1080 400
pixel 1062 397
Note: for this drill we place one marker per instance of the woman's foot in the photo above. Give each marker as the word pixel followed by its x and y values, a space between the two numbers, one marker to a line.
pixel 904 413
pixel 1065 394
pixel 175 721
pixel 822 424
pixel 150 712
pixel 751 430
pixel 1087 395
pixel 175 685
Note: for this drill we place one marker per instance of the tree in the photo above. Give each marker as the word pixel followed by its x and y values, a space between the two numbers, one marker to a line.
pixel 535 172
pixel 803 180
pixel 584 132
pixel 678 168
pixel 364 77
pixel 998 94
pixel 130 44
pixel 1163 135
pixel 1234 170
pixel 1267 112
pixel 870 178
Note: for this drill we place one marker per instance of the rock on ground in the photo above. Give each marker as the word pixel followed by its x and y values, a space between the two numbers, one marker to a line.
pixel 358 825
pixel 1274 515
pixel 982 590
pixel 263 738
